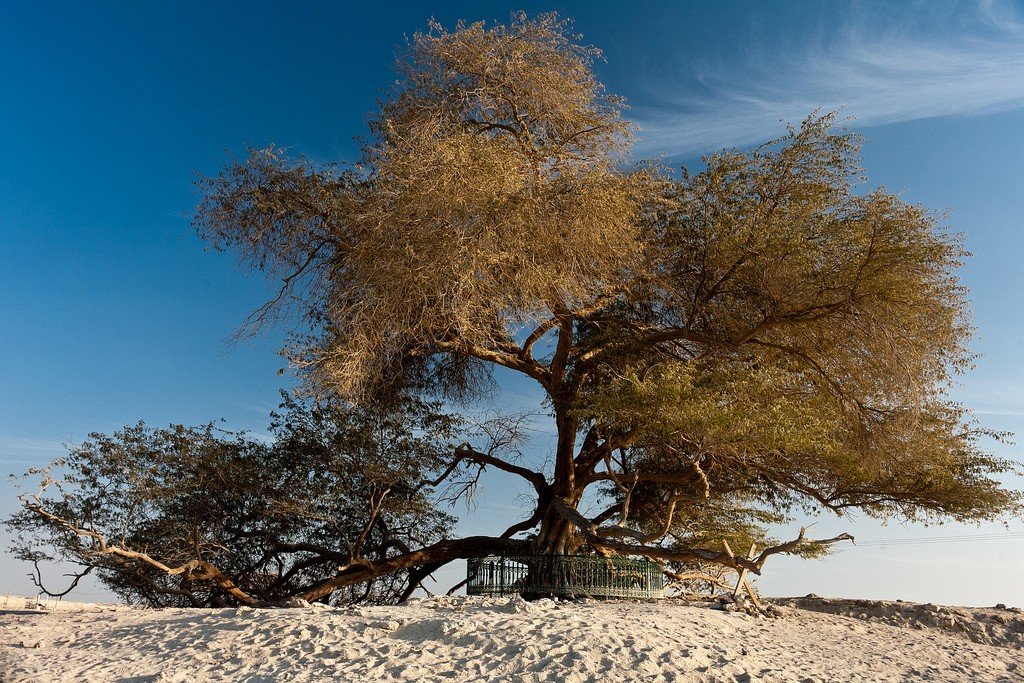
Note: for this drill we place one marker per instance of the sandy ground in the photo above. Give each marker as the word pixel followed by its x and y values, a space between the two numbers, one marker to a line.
pixel 479 639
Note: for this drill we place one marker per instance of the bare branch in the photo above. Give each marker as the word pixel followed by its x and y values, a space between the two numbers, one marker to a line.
pixel 194 569
pixel 37 579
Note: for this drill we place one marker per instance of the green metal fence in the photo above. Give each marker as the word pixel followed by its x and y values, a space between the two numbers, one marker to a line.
pixel 565 576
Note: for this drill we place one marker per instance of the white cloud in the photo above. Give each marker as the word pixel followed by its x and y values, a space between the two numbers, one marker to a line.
pixel 940 66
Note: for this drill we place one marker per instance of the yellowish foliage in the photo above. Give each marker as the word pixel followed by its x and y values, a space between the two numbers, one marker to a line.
pixel 762 334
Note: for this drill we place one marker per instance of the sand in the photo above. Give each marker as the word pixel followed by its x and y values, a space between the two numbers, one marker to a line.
pixel 501 639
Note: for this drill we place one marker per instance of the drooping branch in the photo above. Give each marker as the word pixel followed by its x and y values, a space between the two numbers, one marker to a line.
pixel 417 575
pixel 195 568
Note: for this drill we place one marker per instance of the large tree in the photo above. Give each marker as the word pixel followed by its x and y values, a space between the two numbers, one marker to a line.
pixel 757 337
pixel 716 350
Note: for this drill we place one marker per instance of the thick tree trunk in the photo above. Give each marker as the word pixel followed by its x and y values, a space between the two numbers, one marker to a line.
pixel 557 536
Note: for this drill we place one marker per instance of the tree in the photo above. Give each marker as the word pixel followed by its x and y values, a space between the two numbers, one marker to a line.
pixel 717 350
pixel 198 516
pixel 727 345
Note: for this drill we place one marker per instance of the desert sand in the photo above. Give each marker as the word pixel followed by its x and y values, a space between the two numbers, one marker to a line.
pixel 500 639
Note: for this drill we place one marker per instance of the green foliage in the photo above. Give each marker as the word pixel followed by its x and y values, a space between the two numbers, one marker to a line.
pixel 818 330
pixel 336 485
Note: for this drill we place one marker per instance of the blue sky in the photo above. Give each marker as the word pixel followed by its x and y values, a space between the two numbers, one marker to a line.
pixel 111 311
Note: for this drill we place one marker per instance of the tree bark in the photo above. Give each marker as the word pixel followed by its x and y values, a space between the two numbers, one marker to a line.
pixel 556 535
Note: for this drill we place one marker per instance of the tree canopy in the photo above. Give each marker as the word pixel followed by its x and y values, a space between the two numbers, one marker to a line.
pixel 717 349
pixel 196 516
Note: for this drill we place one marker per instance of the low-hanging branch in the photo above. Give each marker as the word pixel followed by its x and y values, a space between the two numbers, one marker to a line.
pixel 37 579
pixel 194 569
pixel 436 555
pixel 599 537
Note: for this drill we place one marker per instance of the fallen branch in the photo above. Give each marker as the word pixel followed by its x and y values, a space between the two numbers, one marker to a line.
pixel 695 576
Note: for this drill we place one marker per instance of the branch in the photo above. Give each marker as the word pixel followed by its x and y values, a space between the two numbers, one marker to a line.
pixel 696 576
pixel 513 361
pixel 592 356
pixel 375 508
pixel 416 577
pixel 526 524
pixel 592 453
pixel 550 323
pixel 593 536
pixel 534 337
pixel 320 551
pixel 467 452
pixel 607 514
pixel 193 569
pixel 442 551
pixel 255 320
pixel 37 579
pixel 654 337
pixel 800 540
pixel 602 533
pixel 686 477
pixel 836 387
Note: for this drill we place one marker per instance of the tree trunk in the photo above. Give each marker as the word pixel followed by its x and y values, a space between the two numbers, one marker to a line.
pixel 557 536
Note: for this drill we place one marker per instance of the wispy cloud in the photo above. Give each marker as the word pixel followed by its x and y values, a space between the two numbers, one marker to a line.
pixel 26 445
pixel 999 412
pixel 993 396
pixel 918 66
pixel 18 452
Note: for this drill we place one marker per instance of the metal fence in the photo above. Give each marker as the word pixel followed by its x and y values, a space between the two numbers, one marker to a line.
pixel 566 576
